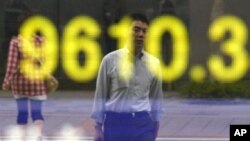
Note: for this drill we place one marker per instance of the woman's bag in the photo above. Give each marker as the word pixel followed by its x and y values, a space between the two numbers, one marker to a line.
pixel 51 84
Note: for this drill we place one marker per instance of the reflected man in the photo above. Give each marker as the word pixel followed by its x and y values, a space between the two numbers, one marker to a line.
pixel 128 110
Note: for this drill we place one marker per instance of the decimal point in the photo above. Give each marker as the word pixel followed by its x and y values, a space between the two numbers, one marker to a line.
pixel 197 73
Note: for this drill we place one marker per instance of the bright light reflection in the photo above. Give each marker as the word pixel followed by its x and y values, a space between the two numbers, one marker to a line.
pixel 31 133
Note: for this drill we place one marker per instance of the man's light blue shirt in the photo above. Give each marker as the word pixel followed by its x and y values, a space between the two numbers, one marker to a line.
pixel 142 92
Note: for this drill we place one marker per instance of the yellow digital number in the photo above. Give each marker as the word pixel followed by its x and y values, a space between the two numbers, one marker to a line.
pixel 80 34
pixel 46 54
pixel 123 32
pixel 179 34
pixel 233 47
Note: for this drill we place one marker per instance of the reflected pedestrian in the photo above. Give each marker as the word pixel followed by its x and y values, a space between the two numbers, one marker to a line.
pixel 25 91
pixel 128 110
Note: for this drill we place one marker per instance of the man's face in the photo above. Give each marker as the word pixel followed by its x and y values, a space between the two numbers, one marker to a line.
pixel 139 33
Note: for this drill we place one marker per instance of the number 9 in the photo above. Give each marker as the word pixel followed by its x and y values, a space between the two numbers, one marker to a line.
pixel 47 53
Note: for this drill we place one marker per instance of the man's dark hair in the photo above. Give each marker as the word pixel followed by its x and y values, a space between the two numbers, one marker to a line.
pixel 139 17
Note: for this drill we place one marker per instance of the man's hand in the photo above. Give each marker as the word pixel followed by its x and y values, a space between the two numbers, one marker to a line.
pixel 156 128
pixel 98 132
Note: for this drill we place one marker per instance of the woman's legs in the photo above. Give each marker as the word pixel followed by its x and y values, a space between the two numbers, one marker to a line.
pixel 22 115
pixel 36 115
pixel 22 108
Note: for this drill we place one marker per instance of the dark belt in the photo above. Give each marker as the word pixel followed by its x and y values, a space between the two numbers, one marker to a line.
pixel 127 114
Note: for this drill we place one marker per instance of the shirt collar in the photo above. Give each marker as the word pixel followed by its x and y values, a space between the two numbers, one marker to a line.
pixel 139 55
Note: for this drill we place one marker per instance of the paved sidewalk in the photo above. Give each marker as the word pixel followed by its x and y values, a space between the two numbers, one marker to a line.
pixel 183 118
